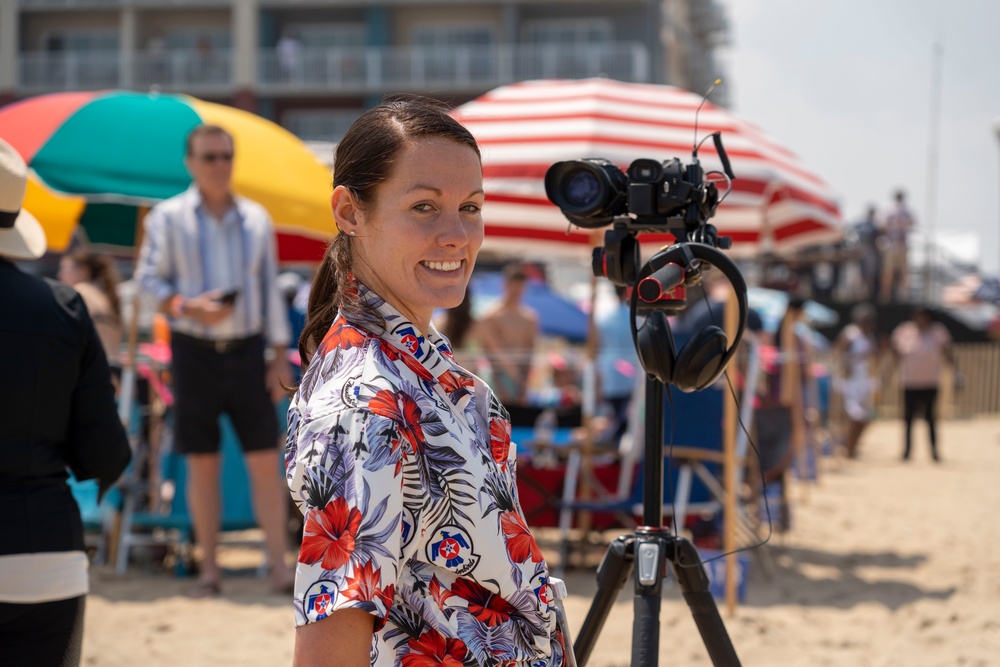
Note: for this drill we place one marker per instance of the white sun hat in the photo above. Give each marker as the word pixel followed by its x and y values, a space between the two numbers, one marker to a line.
pixel 21 236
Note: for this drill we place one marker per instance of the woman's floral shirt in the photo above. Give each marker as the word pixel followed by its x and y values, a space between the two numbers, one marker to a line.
pixel 401 462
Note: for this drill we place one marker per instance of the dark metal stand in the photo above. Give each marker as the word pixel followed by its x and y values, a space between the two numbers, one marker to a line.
pixel 646 552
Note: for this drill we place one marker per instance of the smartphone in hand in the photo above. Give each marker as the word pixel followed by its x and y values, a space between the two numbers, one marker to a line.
pixel 228 298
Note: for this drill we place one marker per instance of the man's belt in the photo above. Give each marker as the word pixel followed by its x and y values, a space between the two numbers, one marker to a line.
pixel 220 346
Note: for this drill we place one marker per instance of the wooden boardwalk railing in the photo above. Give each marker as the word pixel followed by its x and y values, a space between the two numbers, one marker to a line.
pixel 977 391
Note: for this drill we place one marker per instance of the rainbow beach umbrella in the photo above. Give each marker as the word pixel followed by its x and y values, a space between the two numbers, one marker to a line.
pixel 99 159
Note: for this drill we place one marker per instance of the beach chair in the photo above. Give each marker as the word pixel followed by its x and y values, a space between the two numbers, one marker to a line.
pixel 98 517
pixel 169 523
pixel 692 460
pixel 697 451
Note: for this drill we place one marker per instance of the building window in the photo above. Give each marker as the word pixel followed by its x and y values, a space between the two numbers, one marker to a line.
pixel 96 39
pixel 197 38
pixel 319 124
pixel 568 31
pixel 326 35
pixel 448 53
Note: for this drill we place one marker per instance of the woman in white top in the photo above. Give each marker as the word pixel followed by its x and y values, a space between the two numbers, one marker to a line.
pixel 857 347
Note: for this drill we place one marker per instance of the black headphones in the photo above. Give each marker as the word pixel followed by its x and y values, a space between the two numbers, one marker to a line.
pixel 703 358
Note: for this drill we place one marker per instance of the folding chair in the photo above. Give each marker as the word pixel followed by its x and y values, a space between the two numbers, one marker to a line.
pixel 170 522
pixel 691 476
pixel 98 517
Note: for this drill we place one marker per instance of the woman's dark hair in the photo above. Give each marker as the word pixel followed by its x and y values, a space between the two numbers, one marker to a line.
pixel 103 274
pixel 363 160
pixel 458 321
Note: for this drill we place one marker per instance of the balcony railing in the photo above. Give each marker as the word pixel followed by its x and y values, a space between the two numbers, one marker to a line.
pixel 88 4
pixel 187 70
pixel 367 69
pixel 334 70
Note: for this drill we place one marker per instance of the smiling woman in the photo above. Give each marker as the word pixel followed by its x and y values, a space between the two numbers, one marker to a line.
pixel 415 551
pixel 416 245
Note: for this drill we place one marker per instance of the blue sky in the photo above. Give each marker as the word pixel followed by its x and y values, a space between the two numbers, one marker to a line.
pixel 847 86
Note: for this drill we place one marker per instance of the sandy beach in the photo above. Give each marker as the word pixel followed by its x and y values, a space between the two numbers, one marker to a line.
pixel 887 563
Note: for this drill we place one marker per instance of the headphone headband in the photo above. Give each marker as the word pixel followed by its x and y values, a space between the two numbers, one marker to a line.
pixel 656 325
pixel 728 268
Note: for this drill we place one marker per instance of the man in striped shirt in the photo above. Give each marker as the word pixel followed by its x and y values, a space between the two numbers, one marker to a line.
pixel 209 258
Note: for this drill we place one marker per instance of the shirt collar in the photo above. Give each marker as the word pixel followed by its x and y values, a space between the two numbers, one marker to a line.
pixel 199 203
pixel 430 350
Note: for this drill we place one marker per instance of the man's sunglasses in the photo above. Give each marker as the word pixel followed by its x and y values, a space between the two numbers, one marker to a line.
pixel 215 157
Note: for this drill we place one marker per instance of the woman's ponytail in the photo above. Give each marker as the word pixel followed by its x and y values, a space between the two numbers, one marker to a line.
pixel 328 287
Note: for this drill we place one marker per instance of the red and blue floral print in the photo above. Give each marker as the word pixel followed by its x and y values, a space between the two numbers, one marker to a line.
pixel 402 465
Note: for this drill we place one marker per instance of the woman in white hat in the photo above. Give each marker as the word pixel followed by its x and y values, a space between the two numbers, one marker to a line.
pixel 57 412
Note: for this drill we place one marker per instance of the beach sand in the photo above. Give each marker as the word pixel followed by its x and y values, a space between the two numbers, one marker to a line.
pixel 887 563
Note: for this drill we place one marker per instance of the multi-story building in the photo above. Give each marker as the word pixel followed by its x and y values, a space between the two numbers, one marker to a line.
pixel 314 65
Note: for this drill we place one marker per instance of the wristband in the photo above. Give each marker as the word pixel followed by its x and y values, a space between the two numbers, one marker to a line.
pixel 177 306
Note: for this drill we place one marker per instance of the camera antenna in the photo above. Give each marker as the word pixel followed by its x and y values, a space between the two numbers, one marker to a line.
pixel 695 144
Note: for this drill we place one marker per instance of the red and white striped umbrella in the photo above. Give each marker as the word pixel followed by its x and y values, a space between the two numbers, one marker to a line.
pixel 776 203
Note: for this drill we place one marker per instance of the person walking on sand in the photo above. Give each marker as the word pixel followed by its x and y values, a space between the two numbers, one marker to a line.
pixel 209 258
pixel 857 349
pixel 59 414
pixel 921 346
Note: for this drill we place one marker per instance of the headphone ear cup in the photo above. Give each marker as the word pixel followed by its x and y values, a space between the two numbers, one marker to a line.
pixel 700 359
pixel 655 345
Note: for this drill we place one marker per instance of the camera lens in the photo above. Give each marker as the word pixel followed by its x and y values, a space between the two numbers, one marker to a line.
pixel 582 189
pixel 590 192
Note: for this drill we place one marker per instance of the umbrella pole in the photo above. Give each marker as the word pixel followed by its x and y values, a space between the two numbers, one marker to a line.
pixel 126 391
pixel 730 416
pixel 589 407
pixel 128 370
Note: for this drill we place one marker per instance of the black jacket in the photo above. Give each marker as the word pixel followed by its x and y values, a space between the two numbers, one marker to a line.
pixel 57 411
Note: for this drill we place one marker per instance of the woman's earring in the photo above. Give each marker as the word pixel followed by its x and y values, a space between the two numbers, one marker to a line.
pixel 353 233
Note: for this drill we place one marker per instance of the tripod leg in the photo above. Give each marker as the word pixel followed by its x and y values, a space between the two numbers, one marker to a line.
pixel 650 551
pixel 694 583
pixel 612 573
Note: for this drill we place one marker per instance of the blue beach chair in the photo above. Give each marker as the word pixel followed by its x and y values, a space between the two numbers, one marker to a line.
pixel 171 523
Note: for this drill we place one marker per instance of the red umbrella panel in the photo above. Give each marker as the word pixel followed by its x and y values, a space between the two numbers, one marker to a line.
pixel 776 204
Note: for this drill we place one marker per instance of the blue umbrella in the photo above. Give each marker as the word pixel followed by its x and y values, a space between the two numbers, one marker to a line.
pixel 770 304
pixel 557 315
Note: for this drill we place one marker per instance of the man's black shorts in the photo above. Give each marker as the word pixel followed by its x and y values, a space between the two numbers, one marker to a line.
pixel 211 379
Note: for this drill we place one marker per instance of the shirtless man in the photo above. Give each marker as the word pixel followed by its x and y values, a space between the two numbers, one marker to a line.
pixel 508 334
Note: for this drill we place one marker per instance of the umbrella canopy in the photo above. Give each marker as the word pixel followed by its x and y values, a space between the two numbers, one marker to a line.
pixel 557 316
pixel 776 203
pixel 124 151
pixel 771 305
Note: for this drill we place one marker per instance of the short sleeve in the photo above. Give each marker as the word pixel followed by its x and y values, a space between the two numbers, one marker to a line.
pixel 348 482
pixel 943 337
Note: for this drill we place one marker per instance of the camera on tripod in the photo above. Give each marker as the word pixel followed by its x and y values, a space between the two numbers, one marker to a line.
pixel 592 192
pixel 661 197
pixel 650 196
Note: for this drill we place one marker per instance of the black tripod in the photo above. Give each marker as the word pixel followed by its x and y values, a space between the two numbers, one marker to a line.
pixel 676 198
pixel 651 546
